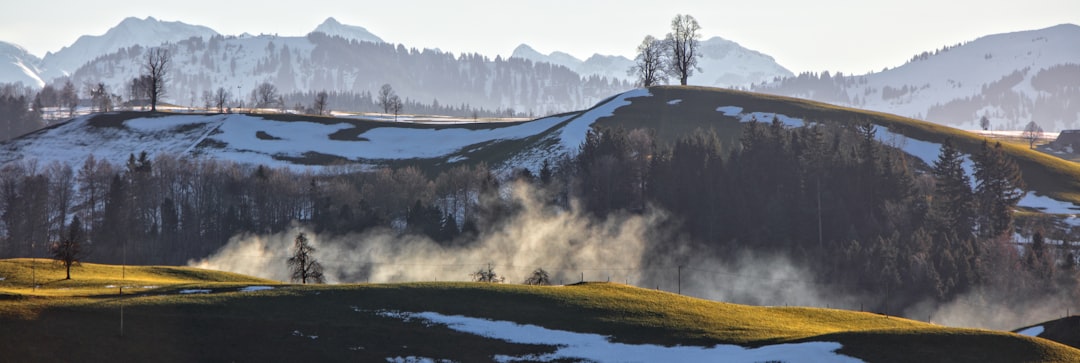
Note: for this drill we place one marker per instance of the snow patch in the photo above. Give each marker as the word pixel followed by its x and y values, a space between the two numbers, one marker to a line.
pixel 729 111
pixel 1047 205
pixel 298 138
pixel 674 102
pixel 297 333
pixel 595 347
pixel 255 288
pixel 928 152
pixel 412 359
pixel 195 291
pixel 737 112
pixel 1032 331
pixel 573 135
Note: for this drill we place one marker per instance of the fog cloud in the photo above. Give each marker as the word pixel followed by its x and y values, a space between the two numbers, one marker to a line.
pixel 637 249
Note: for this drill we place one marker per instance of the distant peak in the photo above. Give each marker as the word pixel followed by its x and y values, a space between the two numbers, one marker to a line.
pixel 526 52
pixel 333 27
pixel 131 20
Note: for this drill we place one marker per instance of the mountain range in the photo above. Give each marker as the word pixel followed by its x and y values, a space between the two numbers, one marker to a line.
pixel 724 63
pixel 1011 78
pixel 114 58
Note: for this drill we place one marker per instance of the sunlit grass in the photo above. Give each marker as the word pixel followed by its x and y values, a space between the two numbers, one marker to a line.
pixel 44 277
pixel 161 324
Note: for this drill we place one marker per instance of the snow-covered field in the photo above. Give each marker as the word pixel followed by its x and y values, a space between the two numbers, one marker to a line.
pixel 253 140
pixel 598 348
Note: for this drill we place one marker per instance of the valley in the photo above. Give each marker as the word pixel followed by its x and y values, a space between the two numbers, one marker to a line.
pixel 175 192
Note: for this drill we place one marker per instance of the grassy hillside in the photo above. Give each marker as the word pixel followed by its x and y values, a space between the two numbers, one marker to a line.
pixel 41 277
pixel 342 323
pixel 696 109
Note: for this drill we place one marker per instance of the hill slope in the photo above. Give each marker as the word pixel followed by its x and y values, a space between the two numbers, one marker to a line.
pixel 215 322
pixel 303 142
pixel 1065 330
pixel 674 112
pixel 40 277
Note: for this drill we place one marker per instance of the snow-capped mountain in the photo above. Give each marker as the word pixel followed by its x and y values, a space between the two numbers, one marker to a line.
pixel 19 66
pixel 724 63
pixel 334 57
pixel 524 51
pixel 131 31
pixel 1011 78
pixel 334 28
pixel 610 66
pixel 318 62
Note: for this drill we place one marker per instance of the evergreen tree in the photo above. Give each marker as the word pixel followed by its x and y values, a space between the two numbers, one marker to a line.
pixel 952 204
pixel 449 230
pixel 999 187
pixel 546 172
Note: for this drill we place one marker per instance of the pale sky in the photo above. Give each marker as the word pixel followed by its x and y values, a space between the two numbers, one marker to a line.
pixel 852 36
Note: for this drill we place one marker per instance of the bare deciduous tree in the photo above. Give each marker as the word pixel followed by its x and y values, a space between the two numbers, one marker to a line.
pixel 396 106
pixel 682 44
pixel 220 98
pixel 538 277
pixel 69 97
pixel 386 98
pixel 156 69
pixel 486 275
pixel 208 100
pixel 304 266
pixel 1032 133
pixel 649 63
pixel 320 103
pixel 69 250
pixel 266 95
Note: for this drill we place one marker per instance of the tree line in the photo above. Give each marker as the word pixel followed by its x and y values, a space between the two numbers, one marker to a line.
pixel 166 210
pixel 860 214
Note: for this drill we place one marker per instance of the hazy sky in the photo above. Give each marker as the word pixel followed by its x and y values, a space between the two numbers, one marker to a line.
pixel 852 36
